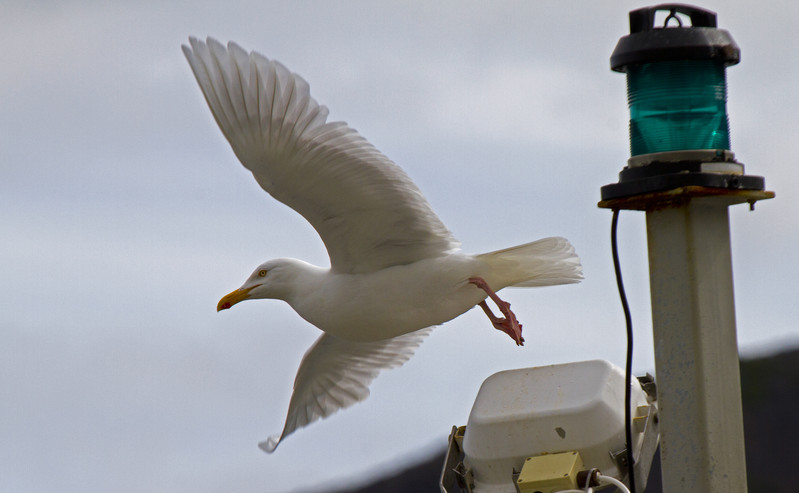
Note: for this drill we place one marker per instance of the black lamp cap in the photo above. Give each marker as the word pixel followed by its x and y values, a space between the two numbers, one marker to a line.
pixel 648 43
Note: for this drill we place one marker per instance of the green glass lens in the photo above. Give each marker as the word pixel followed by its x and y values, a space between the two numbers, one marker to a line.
pixel 677 105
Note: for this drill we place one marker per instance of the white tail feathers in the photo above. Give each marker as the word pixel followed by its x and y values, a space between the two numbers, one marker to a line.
pixel 546 262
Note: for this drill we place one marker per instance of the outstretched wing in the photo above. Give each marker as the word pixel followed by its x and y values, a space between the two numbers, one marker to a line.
pixel 368 212
pixel 335 374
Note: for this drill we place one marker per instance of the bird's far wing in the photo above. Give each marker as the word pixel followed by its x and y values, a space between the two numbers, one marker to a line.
pixel 368 212
pixel 335 374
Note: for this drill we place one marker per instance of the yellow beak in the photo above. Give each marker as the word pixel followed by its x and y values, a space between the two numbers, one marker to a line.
pixel 231 299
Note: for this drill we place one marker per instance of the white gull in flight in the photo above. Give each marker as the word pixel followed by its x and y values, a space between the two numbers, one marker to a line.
pixel 395 269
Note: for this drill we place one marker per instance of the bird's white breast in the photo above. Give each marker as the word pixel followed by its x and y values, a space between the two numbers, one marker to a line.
pixel 392 301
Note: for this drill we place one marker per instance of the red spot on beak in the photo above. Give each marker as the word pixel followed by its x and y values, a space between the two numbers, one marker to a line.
pixel 236 296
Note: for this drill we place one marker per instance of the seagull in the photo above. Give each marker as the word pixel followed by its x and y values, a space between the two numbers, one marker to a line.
pixel 395 272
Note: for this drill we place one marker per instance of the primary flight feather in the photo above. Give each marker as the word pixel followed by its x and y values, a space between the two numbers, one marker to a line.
pixel 395 269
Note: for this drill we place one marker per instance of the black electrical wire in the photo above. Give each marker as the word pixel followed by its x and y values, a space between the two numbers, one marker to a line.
pixel 629 366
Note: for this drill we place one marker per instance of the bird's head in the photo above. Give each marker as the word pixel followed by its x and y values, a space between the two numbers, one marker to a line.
pixel 275 279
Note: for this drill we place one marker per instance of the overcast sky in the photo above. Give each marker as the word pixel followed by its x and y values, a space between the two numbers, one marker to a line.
pixel 125 217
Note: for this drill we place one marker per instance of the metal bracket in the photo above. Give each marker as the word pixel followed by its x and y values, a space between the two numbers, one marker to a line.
pixel 455 477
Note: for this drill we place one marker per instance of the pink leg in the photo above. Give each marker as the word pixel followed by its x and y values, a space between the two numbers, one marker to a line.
pixel 509 324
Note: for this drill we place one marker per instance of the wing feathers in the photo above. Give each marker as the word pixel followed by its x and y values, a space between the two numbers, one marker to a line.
pixel 322 170
pixel 335 374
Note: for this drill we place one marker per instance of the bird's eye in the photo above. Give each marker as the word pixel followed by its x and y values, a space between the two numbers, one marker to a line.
pixel 262 273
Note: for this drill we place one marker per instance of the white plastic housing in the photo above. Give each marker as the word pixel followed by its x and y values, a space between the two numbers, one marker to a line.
pixel 550 409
